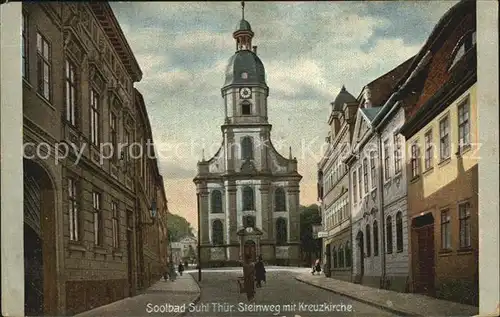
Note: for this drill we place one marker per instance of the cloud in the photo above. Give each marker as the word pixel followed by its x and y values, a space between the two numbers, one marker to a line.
pixel 309 50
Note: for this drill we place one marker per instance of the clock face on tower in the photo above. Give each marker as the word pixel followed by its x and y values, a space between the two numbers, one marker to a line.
pixel 245 93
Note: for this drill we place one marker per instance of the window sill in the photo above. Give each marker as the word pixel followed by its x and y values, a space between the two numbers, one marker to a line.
pixel 47 102
pixel 463 150
pixel 465 251
pixel 100 250
pixel 414 179
pixel 399 251
pixel 444 161
pixel 76 246
pixel 428 171
pixel 445 252
pixel 117 253
pixel 27 83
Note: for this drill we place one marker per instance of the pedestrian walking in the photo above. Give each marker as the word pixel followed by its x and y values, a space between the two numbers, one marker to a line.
pixel 260 272
pixel 249 277
pixel 316 267
pixel 165 273
pixel 180 268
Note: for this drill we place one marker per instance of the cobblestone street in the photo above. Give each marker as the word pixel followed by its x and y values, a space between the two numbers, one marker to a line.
pixel 283 293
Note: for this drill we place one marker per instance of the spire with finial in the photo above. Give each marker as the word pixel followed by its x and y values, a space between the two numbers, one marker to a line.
pixel 243 34
pixel 203 155
pixel 343 88
pixel 290 155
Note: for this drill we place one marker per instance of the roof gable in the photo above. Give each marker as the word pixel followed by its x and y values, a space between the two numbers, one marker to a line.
pixel 363 123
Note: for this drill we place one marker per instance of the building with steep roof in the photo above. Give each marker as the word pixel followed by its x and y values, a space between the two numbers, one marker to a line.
pixel 367 183
pixel 333 187
pixel 440 103
pixel 248 193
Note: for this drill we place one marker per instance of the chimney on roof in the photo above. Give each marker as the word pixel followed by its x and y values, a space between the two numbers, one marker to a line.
pixel 255 49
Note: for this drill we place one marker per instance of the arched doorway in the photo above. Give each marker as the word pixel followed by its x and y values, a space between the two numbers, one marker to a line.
pixel 250 250
pixel 360 256
pixel 39 242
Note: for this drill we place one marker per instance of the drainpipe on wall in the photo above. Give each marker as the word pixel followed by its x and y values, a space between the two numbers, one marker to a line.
pixel 381 208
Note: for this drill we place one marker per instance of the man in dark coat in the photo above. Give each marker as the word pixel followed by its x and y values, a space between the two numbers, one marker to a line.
pixel 260 272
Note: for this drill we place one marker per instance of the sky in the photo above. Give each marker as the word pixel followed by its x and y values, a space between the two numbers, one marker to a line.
pixel 309 50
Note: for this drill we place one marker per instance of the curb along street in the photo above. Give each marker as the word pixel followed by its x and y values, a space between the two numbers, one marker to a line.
pixel 365 301
pixel 195 300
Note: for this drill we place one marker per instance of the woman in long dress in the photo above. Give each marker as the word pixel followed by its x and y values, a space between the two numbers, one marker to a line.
pixel 260 272
pixel 249 277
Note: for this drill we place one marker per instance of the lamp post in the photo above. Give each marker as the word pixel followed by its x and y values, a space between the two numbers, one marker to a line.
pixel 199 236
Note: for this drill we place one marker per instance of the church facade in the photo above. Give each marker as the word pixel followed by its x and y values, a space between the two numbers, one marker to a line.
pixel 248 193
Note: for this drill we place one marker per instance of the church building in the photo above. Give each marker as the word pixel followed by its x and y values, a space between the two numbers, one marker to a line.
pixel 248 193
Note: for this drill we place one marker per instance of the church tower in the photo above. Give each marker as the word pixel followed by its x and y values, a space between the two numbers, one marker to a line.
pixel 248 193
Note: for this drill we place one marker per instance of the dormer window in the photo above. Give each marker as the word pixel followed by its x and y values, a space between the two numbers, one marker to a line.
pixel 466 43
pixel 246 108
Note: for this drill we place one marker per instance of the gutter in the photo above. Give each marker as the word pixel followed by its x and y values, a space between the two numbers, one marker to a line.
pixel 381 208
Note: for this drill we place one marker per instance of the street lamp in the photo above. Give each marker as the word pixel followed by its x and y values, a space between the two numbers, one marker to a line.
pixel 152 215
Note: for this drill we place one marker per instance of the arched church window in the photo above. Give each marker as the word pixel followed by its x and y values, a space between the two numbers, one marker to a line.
pixel 246 108
pixel 280 199
pixel 246 148
pixel 217 232
pixel 248 199
pixel 249 221
pixel 216 201
pixel 281 231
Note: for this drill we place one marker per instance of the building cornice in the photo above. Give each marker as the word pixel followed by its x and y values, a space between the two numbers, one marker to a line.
pixel 107 19
pixel 220 178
